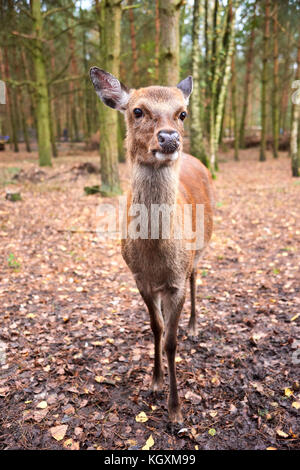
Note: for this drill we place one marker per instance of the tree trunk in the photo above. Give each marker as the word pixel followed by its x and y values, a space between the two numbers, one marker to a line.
pixel 42 101
pixel 109 20
pixel 225 77
pixel 197 145
pixel 234 110
pixel 249 65
pixel 264 82
pixel 294 144
pixel 275 100
pixel 157 34
pixel 135 68
pixel 169 13
pixel 13 138
pixel 73 94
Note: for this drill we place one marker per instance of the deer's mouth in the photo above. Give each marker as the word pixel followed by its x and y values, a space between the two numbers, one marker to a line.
pixel 165 157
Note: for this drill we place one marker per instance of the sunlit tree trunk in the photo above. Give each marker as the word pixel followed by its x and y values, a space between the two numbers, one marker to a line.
pixel 197 145
pixel 41 89
pixel 224 79
pixel 109 19
pixel 169 13
pixel 246 95
pixel 264 80
pixel 294 143
pixel 234 109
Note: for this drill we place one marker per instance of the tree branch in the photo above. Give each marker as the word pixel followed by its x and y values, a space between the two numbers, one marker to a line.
pixel 68 79
pixel 56 10
pixel 15 83
pixel 129 7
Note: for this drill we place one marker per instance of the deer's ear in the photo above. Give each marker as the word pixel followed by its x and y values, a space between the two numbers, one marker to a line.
pixel 186 86
pixel 112 92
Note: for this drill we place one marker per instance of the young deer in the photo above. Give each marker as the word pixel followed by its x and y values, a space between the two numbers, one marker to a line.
pixel 161 175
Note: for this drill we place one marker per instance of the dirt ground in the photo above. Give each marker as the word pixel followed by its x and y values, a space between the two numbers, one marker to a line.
pixel 76 349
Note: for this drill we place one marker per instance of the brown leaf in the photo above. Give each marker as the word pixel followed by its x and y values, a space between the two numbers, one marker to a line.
pixel 59 432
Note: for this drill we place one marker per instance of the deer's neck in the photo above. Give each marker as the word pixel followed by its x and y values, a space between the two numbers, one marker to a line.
pixel 152 185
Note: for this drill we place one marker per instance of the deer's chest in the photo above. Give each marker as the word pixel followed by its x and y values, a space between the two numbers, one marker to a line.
pixel 156 261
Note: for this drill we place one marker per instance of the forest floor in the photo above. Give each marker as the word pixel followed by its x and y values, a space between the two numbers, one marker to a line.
pixel 76 348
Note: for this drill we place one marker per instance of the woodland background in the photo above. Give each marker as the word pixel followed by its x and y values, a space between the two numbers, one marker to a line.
pixel 76 348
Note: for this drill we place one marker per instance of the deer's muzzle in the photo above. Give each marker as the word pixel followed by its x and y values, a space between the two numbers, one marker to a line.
pixel 169 141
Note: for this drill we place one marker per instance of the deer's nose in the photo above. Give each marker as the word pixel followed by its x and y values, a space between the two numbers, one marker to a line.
pixel 168 140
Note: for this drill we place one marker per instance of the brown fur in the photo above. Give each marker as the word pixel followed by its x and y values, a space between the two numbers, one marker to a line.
pixel 161 266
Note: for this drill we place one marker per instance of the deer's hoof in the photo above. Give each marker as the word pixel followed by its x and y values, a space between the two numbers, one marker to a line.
pixel 192 330
pixel 157 384
pixel 176 415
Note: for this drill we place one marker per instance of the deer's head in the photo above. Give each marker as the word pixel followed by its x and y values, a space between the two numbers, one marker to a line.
pixel 154 116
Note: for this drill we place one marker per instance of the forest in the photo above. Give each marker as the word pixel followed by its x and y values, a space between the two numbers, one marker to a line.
pixel 76 347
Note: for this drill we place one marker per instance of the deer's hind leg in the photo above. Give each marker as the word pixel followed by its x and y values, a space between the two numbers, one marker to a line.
pixel 153 302
pixel 192 326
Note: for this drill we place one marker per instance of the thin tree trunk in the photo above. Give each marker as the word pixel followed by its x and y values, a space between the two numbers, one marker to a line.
pixel 206 71
pixel 109 19
pixel 234 110
pixel 264 82
pixel 169 13
pixel 294 144
pixel 42 101
pixel 87 101
pixel 135 67
pixel 73 95
pixel 197 145
pixel 249 65
pixel 275 100
pixel 157 34
pixel 226 75
pixel 51 105
pixel 10 106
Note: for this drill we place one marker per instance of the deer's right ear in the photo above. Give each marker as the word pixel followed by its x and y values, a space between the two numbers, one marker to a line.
pixel 112 92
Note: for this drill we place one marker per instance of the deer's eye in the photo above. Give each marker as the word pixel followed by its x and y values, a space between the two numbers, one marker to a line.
pixel 138 112
pixel 182 115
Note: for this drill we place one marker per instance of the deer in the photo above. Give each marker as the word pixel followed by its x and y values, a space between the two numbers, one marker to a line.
pixel 161 174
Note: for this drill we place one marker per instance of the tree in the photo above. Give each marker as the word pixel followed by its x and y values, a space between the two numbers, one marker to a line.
pixel 222 50
pixel 246 94
pixel 275 99
pixel 169 12
pixel 294 142
pixel 109 20
pixel 197 144
pixel 234 110
pixel 264 81
pixel 41 86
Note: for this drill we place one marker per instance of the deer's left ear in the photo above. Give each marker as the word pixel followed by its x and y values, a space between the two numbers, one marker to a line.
pixel 186 86
pixel 112 92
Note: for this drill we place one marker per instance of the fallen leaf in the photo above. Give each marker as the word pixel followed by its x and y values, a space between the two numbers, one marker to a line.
pixel 212 432
pixel 42 405
pixel 296 404
pixel 70 444
pixel 59 432
pixel 288 392
pixel 149 443
pixel 295 317
pixel 282 433
pixel 141 417
pixel 39 415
